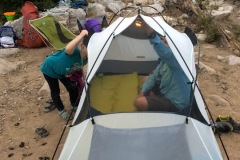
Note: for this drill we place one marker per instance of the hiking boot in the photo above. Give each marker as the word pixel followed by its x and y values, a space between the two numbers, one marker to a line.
pixel 229 119
pixel 49 107
pixel 220 127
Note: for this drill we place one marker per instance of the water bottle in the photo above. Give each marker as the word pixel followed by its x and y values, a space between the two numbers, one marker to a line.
pixel 68 2
pixel 61 3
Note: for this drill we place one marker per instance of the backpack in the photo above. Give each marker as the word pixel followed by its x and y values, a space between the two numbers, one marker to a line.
pixel 7 37
pixel 31 38
pixel 79 4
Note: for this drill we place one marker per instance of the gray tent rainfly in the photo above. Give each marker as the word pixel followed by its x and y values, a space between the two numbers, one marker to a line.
pixel 121 49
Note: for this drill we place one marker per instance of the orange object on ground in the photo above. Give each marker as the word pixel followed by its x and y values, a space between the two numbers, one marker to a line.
pixel 31 38
pixel 9 15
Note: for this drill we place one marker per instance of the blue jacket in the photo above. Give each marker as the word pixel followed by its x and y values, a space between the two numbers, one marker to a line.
pixel 173 81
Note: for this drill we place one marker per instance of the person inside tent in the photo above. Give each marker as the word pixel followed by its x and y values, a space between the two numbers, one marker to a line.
pixel 167 88
pixel 59 66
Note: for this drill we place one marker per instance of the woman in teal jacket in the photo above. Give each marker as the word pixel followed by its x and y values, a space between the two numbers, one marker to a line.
pixel 173 89
pixel 60 66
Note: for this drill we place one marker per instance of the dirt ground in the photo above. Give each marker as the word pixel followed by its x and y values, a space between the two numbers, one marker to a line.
pixel 21 110
pixel 21 104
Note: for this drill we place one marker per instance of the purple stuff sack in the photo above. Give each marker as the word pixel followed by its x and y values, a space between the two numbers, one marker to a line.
pixel 93 24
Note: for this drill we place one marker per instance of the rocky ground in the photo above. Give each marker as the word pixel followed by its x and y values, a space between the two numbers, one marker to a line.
pixel 21 103
pixel 21 109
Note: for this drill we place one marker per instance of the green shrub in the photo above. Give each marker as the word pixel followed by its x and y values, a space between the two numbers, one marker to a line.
pixel 46 4
pixel 206 23
pixel 16 5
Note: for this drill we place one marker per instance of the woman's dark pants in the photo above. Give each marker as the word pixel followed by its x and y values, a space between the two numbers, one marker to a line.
pixel 55 91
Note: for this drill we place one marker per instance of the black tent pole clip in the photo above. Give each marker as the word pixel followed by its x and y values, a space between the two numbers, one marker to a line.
pixel 93 122
pixel 187 120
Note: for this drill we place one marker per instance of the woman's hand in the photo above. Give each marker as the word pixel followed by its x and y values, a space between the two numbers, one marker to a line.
pixel 68 75
pixel 83 33
pixel 71 45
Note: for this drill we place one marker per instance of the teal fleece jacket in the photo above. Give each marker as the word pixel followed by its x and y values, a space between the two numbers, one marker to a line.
pixel 59 64
pixel 172 79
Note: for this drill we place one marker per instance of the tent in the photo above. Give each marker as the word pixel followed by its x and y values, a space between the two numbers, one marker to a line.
pixel 118 57
pixel 53 31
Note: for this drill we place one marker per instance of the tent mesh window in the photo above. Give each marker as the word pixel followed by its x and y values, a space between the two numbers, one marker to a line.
pixel 140 144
